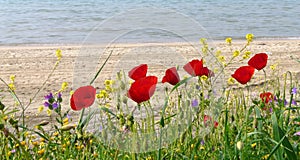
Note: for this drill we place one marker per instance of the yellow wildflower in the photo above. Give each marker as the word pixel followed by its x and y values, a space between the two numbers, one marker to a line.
pixel 192 146
pixel 203 41
pixel 64 86
pixel 66 121
pixel 204 78
pixel 42 151
pixel 108 82
pixel 11 86
pixel 23 143
pixel 216 70
pixel 8 153
pixel 55 133
pixel 26 133
pixel 107 105
pixel 103 93
pixel 236 53
pixel 273 67
pixel 266 156
pixel 58 54
pixel 228 40
pixel 5 118
pixel 221 59
pixel 249 37
pixel 149 158
pixel 247 55
pixel 99 96
pixel 40 109
pixel 42 144
pixel 253 145
pixel 108 88
pixel 12 78
pixel 230 81
pixel 202 148
pixel 49 112
pixel 218 53
pixel 35 143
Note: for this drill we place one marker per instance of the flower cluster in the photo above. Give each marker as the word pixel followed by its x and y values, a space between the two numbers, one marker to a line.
pixel 244 74
pixel 51 102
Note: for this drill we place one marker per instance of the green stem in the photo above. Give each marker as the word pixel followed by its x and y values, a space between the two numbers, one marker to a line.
pixel 92 81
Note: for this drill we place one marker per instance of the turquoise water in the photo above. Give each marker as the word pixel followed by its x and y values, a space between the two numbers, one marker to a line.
pixel 70 21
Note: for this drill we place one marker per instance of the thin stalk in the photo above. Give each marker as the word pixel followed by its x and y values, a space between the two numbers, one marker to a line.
pixel 92 81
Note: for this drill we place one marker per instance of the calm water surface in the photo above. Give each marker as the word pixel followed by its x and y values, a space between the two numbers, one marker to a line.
pixel 70 21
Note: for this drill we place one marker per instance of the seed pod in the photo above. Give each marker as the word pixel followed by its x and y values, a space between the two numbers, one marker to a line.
pixel 67 128
pixel 44 123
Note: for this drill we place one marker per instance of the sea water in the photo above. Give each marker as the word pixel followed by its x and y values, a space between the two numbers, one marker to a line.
pixel 71 21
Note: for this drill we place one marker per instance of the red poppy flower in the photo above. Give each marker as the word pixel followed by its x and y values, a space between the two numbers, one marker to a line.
pixel 243 74
pixel 266 97
pixel 171 76
pixel 258 61
pixel 83 97
pixel 142 89
pixel 207 119
pixel 195 68
pixel 138 72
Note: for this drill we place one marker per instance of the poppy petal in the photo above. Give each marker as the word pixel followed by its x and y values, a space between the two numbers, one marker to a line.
pixel 138 72
pixel 83 97
pixel 194 67
pixel 266 97
pixel 243 74
pixel 207 119
pixel 171 76
pixel 258 61
pixel 142 89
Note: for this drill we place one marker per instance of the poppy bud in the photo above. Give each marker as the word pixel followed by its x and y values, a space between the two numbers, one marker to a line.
pixel 44 123
pixel 239 145
pixel 125 99
pixel 67 128
pixel 123 86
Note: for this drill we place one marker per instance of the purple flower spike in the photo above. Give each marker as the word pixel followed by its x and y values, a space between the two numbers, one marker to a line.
pixel 195 103
pixel 55 105
pixel 46 104
pixel 271 110
pixel 49 96
pixel 294 91
pixel 285 102
pixel 297 133
pixel 59 95
pixel 202 142
pixel 294 102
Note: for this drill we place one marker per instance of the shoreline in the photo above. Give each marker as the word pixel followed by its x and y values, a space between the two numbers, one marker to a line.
pixel 75 45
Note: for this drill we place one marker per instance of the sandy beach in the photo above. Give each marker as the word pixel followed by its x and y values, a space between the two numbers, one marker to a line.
pixel 32 64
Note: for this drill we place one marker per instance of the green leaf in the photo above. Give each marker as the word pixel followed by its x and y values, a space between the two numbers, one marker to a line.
pixel 277 150
pixel 288 148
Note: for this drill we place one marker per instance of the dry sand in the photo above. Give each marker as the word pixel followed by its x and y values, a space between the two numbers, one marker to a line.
pixel 32 64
